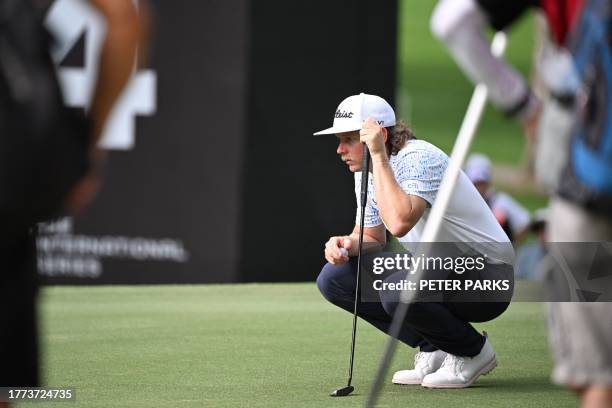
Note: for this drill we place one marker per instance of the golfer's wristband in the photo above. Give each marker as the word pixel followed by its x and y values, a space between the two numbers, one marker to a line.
pixel 383 161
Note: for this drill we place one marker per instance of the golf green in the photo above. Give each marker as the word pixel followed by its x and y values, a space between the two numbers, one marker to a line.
pixel 256 345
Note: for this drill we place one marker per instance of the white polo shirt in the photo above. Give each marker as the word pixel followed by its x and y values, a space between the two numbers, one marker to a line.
pixel 419 168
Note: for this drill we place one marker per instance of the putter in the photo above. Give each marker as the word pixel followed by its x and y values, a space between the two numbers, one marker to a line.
pixel 344 391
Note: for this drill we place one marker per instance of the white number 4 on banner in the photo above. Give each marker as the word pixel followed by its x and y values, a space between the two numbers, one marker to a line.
pixel 68 21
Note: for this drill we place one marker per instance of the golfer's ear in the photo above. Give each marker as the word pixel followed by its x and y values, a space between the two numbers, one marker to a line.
pixel 386 133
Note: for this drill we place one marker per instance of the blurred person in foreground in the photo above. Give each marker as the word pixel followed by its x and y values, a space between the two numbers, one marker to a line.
pixel 513 217
pixel 50 164
pixel 573 134
pixel 406 177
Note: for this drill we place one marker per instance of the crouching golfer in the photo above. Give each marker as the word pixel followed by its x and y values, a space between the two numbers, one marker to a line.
pixel 406 176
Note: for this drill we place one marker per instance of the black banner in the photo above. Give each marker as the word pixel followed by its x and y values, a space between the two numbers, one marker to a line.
pixel 213 175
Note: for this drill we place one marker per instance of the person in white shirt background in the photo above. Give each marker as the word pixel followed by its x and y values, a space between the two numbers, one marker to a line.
pixel 512 216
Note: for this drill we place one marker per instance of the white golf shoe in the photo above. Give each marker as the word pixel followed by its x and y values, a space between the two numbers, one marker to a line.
pixel 424 363
pixel 461 372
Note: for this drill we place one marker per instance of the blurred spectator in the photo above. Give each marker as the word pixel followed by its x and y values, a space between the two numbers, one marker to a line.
pixel 573 158
pixel 529 255
pixel 50 163
pixel 512 216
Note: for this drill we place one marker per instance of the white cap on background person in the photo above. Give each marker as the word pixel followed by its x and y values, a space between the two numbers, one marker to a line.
pixel 478 168
pixel 355 110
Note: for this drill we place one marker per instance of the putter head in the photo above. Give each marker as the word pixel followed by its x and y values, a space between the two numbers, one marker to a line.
pixel 342 392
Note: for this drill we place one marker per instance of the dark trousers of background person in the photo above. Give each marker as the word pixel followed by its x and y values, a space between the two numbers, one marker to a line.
pixel 428 325
pixel 18 325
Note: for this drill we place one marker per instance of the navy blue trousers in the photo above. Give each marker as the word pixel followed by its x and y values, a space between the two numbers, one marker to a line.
pixel 428 325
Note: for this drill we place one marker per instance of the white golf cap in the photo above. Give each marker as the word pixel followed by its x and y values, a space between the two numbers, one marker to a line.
pixel 356 109
pixel 478 168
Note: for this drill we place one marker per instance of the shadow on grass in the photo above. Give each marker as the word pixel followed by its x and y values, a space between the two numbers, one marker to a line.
pixel 532 384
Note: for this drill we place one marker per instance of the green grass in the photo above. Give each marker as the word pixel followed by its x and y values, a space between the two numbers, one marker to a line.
pixel 273 345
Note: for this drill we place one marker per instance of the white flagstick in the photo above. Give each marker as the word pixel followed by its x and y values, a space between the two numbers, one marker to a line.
pixel 460 149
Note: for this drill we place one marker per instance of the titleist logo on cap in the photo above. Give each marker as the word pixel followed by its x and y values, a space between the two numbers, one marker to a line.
pixel 343 114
